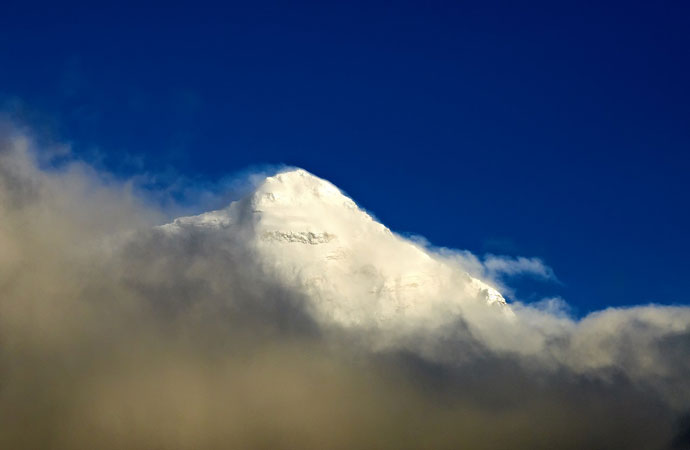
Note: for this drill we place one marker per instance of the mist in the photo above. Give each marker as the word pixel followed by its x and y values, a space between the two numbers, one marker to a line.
pixel 117 334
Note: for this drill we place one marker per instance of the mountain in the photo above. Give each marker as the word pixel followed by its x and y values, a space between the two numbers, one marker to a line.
pixel 305 234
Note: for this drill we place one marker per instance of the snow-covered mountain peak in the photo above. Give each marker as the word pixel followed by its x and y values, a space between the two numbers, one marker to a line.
pixel 297 207
pixel 296 179
pixel 296 188
pixel 308 235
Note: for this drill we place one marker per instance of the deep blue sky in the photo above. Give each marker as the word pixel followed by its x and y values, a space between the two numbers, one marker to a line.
pixel 558 130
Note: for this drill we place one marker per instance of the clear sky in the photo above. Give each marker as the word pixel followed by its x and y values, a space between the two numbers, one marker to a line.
pixel 555 130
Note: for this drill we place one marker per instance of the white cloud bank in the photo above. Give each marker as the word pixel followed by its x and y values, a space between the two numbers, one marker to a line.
pixel 291 319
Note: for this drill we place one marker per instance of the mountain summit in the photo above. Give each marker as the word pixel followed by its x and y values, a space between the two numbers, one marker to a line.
pixel 307 235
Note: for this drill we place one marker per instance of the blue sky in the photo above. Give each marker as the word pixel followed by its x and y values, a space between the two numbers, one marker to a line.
pixel 555 130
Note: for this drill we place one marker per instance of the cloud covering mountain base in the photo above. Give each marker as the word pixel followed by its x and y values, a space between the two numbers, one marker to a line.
pixel 118 333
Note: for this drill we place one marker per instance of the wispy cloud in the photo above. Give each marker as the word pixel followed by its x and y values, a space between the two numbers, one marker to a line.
pixel 501 266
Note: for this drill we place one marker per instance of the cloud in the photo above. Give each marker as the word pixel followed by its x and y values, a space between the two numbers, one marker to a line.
pixel 499 266
pixel 115 334
pixel 554 306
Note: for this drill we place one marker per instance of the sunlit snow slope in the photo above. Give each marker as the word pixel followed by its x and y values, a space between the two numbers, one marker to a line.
pixel 354 271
